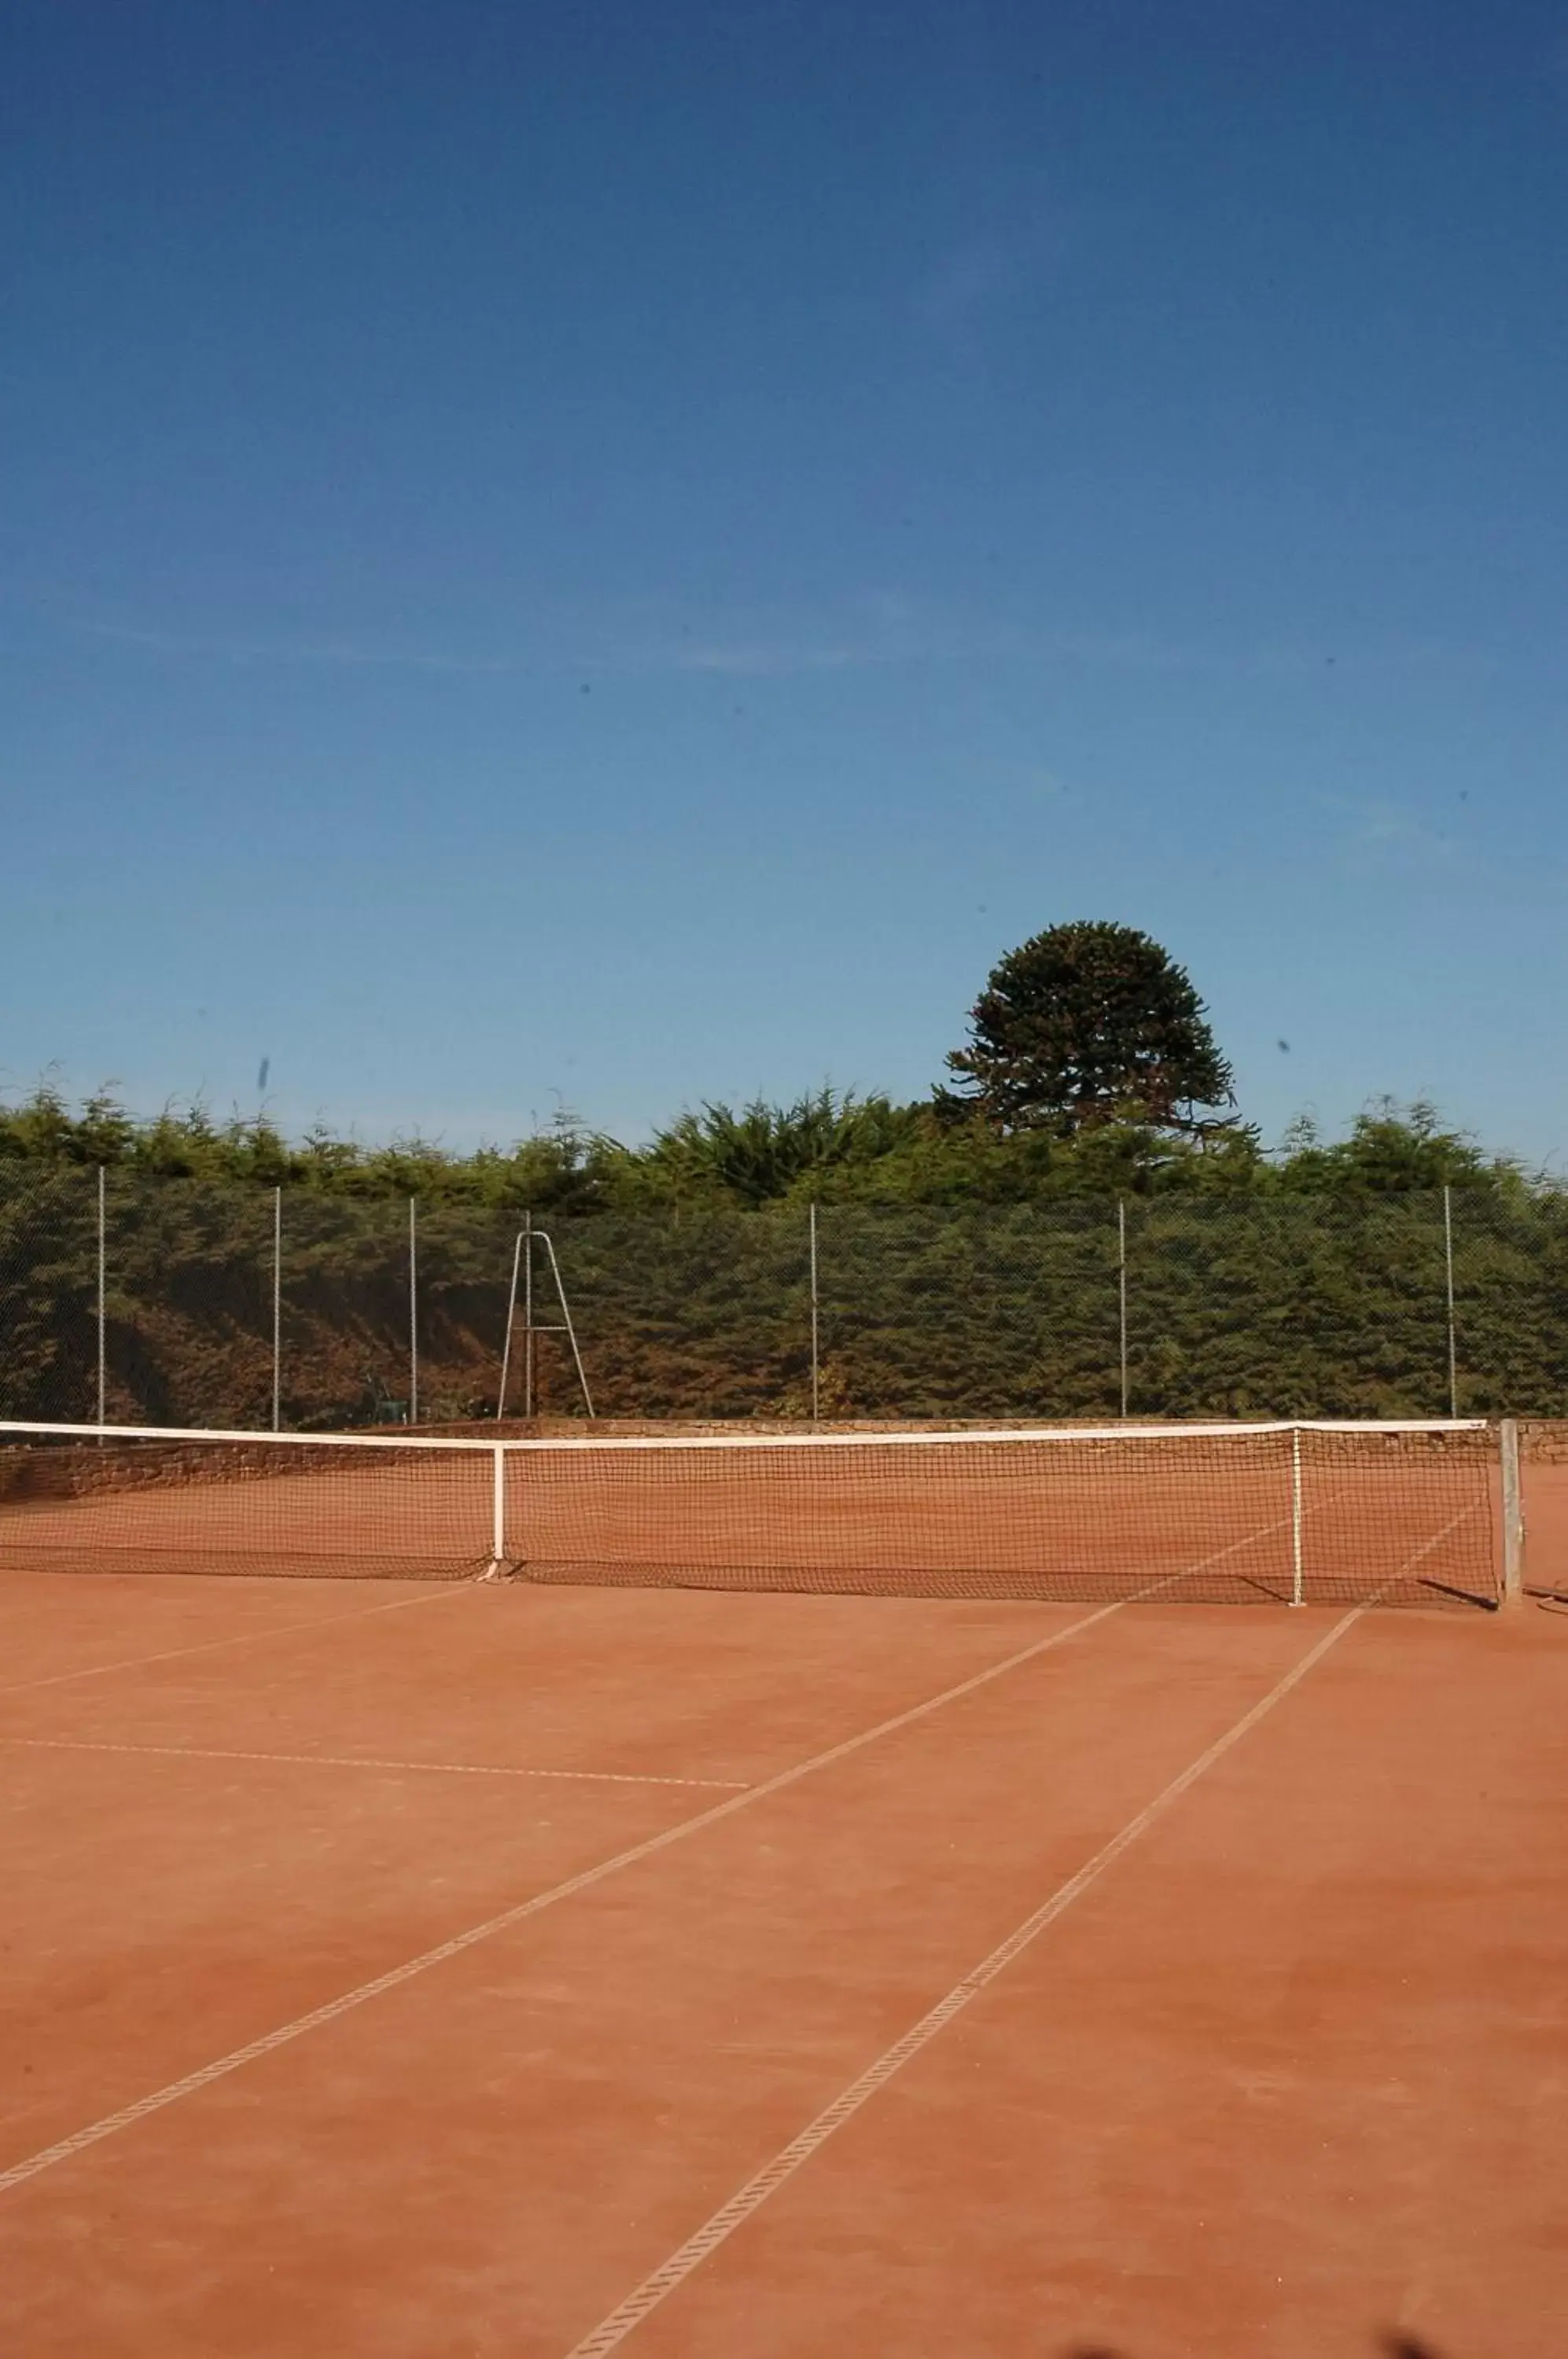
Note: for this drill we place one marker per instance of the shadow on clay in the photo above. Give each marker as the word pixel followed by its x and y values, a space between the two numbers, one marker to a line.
pixel 1389 2346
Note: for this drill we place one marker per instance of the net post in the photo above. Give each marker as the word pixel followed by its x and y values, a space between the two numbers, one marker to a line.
pixel 497 1511
pixel 102 1295
pixel 1448 1280
pixel 816 1334
pixel 1298 1595
pixel 277 1309
pixel 413 1311
pixel 1513 1512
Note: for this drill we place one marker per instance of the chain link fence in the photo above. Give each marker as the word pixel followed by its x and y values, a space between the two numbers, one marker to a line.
pixel 186 1302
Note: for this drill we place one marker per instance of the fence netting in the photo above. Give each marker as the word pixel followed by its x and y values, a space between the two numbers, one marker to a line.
pixel 188 1302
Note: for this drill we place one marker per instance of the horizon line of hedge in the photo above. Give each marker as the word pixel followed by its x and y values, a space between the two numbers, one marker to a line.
pixel 827 1146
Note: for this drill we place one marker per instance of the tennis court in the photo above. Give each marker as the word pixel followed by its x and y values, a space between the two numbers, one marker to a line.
pixel 634 1956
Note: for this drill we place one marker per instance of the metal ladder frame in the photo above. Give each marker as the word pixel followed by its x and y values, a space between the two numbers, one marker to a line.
pixel 523 1267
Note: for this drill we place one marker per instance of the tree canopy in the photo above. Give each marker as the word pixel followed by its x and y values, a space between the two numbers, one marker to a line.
pixel 765 1151
pixel 839 1148
pixel 1086 1023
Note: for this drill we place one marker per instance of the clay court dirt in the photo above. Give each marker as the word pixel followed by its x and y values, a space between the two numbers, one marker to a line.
pixel 525 1970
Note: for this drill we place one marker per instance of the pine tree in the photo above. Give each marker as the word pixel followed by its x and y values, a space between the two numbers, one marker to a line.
pixel 1083 1024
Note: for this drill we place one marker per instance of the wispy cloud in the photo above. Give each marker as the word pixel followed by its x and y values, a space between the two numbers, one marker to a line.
pixel 665 638
pixel 1379 834
pixel 877 628
pixel 330 653
pixel 880 627
pixel 869 633
pixel 976 281
pixel 757 659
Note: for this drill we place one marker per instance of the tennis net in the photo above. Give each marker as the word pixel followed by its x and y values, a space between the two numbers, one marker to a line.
pixel 1318 1513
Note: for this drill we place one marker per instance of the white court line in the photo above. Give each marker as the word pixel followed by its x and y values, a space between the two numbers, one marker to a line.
pixel 366 1761
pixel 1420 1557
pixel 128 2115
pixel 240 1638
pixel 628 2315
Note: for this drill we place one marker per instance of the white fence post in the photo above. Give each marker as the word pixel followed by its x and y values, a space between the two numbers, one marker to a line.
pixel 1448 1271
pixel 277 1309
pixel 102 1296
pixel 529 1371
pixel 1121 1294
pixel 816 1331
pixel 413 1311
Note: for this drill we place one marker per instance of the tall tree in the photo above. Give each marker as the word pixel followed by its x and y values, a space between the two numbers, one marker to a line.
pixel 1085 1022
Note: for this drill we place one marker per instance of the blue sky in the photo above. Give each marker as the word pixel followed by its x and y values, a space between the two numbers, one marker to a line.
pixel 613 555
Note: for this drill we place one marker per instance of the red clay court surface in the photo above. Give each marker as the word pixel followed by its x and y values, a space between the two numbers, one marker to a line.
pixel 519 1971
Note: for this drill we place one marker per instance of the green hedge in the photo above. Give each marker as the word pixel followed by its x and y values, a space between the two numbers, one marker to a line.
pixel 1277 1305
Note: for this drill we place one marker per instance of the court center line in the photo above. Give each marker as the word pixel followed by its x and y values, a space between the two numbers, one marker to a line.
pixel 242 1638
pixel 351 1761
pixel 127 2116
pixel 628 2315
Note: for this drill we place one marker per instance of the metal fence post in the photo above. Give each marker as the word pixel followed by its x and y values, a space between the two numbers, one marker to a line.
pixel 1448 1271
pixel 528 1314
pixel 413 1311
pixel 1121 1295
pixel 816 1331
pixel 102 1296
pixel 277 1309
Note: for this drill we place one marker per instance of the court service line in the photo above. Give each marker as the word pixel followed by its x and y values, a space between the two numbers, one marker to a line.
pixel 351 1761
pixel 628 2315
pixel 127 2116
pixel 240 1638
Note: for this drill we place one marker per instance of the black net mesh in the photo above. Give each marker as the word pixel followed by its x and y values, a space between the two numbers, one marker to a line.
pixel 148 1503
pixel 1368 1516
